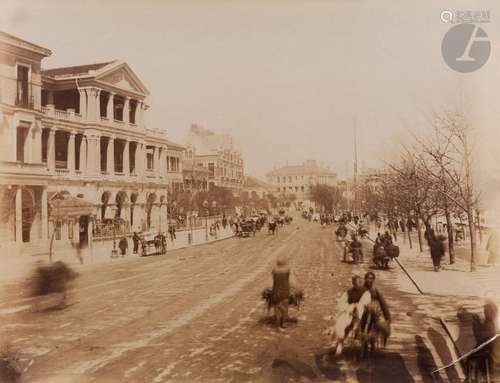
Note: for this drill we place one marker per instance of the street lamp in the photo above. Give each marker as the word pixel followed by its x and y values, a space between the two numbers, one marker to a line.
pixel 205 205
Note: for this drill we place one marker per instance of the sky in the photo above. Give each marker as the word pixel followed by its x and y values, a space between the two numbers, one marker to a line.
pixel 288 79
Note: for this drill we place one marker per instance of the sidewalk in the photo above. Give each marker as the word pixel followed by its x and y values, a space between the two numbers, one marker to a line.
pixel 453 280
pixel 450 297
pixel 14 267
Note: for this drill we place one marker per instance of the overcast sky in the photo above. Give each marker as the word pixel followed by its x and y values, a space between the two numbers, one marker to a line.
pixel 286 78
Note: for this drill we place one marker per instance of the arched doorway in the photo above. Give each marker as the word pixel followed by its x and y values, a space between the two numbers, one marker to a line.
pixel 84 230
pixel 105 201
pixel 120 200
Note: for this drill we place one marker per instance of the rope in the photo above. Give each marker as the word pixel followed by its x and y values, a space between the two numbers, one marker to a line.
pixel 474 350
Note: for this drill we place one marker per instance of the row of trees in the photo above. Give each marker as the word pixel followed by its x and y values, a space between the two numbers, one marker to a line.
pixel 328 197
pixel 432 177
pixel 221 199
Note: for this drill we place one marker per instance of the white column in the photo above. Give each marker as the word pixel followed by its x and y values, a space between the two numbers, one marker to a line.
pixel 126 110
pixel 45 216
pixel 93 104
pixel 111 155
pixel 50 97
pixel 71 152
pixel 98 105
pixel 140 110
pixel 136 113
pixel 83 103
pixel 126 163
pixel 158 165
pixel 83 155
pixel 93 155
pixel 19 215
pixel 142 159
pixel 110 108
pixel 51 150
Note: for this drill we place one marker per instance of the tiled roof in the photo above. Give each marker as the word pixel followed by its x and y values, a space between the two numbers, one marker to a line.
pixel 74 70
pixel 253 183
pixel 173 145
pixel 302 170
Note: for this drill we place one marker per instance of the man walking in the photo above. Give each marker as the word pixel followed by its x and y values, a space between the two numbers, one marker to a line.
pixel 171 231
pixel 378 309
pixel 281 291
pixel 437 249
pixel 135 240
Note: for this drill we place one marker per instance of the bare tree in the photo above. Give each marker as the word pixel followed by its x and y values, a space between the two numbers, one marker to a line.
pixel 451 164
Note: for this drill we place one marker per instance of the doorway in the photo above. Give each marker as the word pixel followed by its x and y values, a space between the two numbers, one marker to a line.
pixel 84 230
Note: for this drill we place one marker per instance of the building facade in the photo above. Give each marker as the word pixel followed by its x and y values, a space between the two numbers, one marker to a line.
pixel 299 179
pixel 218 154
pixel 254 187
pixel 77 162
pixel 195 176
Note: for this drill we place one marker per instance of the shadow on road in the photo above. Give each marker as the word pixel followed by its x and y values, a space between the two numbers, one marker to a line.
pixel 444 353
pixel 378 367
pixel 426 363
pixel 270 321
pixel 285 370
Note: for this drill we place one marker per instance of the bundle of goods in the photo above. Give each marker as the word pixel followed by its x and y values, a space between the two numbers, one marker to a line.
pixel 295 299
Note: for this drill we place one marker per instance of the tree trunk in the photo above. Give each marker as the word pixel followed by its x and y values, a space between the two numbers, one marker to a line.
pixel 419 232
pixel 409 234
pixel 479 228
pixel 472 233
pixel 449 229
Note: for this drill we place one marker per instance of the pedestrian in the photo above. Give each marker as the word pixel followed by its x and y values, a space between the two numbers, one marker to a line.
pixel 402 226
pixel 123 246
pixel 281 291
pixel 135 240
pixel 436 245
pixel 171 231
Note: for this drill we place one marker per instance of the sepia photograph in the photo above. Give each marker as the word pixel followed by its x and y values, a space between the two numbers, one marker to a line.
pixel 268 191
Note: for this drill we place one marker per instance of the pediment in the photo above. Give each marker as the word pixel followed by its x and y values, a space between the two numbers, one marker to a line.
pixel 122 77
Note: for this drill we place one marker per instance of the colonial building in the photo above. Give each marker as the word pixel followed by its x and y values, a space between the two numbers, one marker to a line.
pixel 218 154
pixel 299 179
pixel 77 162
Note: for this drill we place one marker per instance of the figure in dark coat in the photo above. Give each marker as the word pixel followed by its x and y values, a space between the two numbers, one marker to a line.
pixel 135 239
pixel 437 250
pixel 281 291
pixel 381 323
pixel 123 245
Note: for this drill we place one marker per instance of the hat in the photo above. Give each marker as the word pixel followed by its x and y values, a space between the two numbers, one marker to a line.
pixel 282 261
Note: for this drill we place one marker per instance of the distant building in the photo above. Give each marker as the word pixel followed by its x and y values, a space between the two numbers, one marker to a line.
pixel 372 177
pixel 174 167
pixel 195 176
pixel 218 154
pixel 255 187
pixel 299 179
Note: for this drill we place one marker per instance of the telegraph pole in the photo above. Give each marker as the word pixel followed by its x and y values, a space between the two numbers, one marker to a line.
pixel 355 176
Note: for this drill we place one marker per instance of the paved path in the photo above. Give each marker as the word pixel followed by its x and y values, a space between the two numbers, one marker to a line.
pixel 196 315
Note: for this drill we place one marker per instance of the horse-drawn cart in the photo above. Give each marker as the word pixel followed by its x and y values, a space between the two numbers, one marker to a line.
pixel 153 246
pixel 247 228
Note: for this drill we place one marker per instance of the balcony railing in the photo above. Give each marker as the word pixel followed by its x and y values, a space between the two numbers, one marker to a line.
pixel 62 171
pixel 61 114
